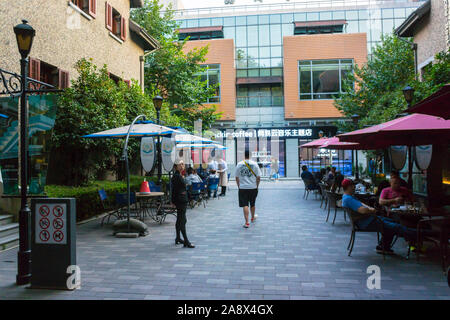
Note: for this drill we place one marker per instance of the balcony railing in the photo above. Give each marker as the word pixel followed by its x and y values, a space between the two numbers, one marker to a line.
pixel 259 101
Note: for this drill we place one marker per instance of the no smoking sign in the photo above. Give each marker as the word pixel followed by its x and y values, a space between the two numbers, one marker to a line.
pixel 50 227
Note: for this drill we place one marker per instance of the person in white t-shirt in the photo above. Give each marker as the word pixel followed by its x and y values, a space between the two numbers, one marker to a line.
pixel 248 177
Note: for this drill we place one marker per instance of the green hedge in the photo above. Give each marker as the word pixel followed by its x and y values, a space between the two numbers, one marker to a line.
pixel 88 200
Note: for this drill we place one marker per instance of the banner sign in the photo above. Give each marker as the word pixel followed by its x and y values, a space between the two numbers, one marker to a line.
pixel 423 156
pixel 147 153
pixel 168 153
pixel 398 156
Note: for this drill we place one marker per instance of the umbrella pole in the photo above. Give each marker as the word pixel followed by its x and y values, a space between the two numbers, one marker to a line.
pixel 410 182
pixel 125 157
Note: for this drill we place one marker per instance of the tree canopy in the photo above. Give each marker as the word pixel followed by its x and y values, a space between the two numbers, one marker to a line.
pixel 374 90
pixel 172 72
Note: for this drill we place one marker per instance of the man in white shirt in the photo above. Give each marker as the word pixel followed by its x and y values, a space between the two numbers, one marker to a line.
pixel 248 177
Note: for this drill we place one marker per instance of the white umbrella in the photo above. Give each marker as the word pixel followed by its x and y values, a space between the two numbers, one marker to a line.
pixel 190 139
pixel 139 129
pixel 200 146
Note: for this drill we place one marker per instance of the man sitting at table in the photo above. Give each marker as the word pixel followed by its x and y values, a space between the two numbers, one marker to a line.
pixel 372 223
pixel 192 177
pixel 395 173
pixel 395 194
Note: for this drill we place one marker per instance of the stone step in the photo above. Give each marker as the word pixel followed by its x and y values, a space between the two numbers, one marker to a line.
pixel 9 229
pixel 9 241
pixel 5 219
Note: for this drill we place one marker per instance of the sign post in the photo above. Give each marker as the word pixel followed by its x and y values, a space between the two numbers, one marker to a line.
pixel 53 248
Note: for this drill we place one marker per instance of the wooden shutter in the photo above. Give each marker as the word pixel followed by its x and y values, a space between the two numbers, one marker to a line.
pixel 63 79
pixel 108 16
pixel 93 8
pixel 123 26
pixel 35 69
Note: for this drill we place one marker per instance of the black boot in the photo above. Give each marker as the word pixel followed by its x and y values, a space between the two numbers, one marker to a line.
pixel 224 190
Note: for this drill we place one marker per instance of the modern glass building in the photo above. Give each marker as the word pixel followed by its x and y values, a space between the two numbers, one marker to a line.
pixel 281 65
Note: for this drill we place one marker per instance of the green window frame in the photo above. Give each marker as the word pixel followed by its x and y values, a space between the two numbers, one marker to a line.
pixel 211 73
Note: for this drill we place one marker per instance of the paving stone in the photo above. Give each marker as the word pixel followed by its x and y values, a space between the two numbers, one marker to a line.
pixel 289 253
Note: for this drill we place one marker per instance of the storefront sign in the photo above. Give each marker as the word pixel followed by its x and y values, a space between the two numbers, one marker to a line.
pixel 398 156
pixel 147 153
pixel 326 153
pixel 269 133
pixel 423 156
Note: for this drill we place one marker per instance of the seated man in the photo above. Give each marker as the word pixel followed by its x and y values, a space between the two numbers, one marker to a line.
pixel 395 194
pixel 331 176
pixel 403 183
pixel 372 223
pixel 336 186
pixel 192 177
pixel 308 177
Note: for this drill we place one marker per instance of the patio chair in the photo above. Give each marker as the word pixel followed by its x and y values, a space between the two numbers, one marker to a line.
pixel 333 199
pixel 113 211
pixel 323 195
pixel 194 194
pixel 153 187
pixel 441 225
pixel 213 185
pixel 310 186
pixel 354 217
pixel 122 203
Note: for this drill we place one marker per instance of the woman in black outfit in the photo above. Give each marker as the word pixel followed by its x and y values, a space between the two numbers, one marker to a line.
pixel 180 200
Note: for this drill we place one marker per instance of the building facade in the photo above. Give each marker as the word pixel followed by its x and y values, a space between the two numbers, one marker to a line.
pixel 67 31
pixel 290 61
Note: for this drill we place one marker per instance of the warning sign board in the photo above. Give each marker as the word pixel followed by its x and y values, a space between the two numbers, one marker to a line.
pixel 51 223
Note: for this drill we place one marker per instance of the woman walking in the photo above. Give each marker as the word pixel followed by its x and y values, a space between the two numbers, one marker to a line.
pixel 180 200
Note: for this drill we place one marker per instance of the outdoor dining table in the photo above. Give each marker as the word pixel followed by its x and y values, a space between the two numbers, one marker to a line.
pixel 150 203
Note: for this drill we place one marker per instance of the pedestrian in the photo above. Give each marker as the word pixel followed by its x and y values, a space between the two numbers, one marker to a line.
pixel 248 177
pixel 180 200
pixel 223 176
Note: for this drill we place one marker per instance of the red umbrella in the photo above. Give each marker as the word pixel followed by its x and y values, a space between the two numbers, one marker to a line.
pixel 315 143
pixel 438 104
pixel 412 130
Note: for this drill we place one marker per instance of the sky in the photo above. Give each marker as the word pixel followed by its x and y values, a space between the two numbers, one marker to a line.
pixel 188 4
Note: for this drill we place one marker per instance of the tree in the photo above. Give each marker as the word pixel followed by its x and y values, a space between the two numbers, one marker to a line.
pixel 374 91
pixel 94 103
pixel 172 73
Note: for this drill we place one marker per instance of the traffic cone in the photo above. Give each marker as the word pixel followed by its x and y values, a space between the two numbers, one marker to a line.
pixel 145 187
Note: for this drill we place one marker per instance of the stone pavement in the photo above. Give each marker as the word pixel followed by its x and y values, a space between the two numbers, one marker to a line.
pixel 290 252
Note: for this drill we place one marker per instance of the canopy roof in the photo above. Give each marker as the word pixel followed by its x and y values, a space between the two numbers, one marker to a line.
pixel 438 104
pixel 140 129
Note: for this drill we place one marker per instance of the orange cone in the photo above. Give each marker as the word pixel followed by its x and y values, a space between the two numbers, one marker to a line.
pixel 145 187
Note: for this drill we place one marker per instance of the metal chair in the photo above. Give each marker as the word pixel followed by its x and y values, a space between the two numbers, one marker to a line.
pixel 213 185
pixel 323 194
pixel 113 211
pixel 333 198
pixel 355 217
pixel 309 186
pixel 122 203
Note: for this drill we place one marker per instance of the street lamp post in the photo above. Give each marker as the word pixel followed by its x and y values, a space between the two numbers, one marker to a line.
pixel 355 119
pixel 24 35
pixel 157 103
pixel 408 93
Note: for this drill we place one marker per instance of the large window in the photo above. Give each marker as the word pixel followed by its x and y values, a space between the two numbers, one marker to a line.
pixel 322 79
pixel 211 74
pixel 259 95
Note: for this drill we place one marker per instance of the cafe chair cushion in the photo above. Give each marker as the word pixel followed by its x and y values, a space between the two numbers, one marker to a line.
pixel 135 226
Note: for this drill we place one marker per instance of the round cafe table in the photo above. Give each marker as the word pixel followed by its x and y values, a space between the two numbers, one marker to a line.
pixel 150 203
